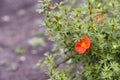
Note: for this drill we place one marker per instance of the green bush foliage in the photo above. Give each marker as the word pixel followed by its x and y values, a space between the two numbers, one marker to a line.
pixel 67 22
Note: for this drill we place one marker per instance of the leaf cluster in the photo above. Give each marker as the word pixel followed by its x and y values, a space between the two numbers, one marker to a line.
pixel 68 20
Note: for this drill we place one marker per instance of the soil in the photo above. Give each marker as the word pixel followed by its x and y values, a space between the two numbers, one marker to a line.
pixel 19 23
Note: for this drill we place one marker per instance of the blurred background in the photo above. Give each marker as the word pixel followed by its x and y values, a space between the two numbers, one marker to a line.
pixel 22 40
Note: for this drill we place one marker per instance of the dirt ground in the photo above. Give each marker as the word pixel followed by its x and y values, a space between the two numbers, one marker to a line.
pixel 18 24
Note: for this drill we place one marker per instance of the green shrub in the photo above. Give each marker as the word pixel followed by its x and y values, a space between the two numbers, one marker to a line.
pixel 67 22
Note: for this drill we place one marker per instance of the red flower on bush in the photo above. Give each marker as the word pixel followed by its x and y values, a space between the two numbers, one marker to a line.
pixel 99 17
pixel 82 44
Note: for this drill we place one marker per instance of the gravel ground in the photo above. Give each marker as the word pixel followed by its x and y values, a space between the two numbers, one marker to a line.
pixel 18 24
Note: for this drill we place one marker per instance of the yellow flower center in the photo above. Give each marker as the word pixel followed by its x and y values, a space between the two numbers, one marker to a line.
pixel 114 46
pixel 83 44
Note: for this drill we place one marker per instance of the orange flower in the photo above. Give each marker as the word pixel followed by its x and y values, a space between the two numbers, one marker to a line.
pixel 98 18
pixel 82 44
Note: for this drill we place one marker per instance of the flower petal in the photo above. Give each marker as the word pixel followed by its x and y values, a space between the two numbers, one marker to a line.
pixel 86 40
pixel 81 50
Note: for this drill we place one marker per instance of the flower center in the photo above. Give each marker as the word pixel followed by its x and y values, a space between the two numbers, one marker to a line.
pixel 83 44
